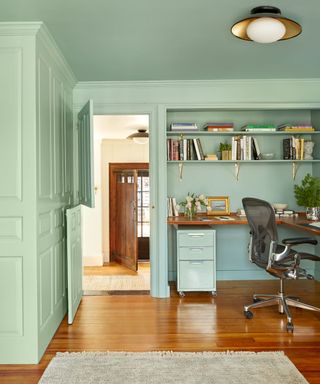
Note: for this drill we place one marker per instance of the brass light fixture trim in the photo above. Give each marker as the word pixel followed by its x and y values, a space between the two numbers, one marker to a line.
pixel 239 29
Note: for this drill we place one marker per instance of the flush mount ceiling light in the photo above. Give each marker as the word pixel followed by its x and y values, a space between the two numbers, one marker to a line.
pixel 140 137
pixel 266 25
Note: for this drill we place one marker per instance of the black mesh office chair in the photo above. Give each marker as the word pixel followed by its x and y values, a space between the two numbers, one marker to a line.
pixel 277 259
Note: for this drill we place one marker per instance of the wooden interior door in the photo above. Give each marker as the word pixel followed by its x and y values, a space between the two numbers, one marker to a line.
pixel 123 214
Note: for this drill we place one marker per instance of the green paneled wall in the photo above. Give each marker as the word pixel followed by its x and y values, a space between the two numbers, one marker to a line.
pixel 35 137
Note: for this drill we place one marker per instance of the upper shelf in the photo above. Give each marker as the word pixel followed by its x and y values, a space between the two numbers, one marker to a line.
pixel 237 133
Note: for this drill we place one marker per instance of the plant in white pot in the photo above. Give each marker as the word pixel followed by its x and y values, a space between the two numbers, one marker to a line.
pixel 307 195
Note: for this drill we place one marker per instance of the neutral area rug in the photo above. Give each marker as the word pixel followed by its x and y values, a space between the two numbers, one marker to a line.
pixel 116 283
pixel 171 367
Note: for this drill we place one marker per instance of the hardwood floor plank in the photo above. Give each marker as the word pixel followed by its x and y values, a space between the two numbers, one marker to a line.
pixel 198 322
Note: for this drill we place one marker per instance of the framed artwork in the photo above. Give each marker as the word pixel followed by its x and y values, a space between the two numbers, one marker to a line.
pixel 218 205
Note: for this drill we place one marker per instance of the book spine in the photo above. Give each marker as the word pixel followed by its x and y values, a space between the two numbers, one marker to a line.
pixel 200 149
pixel 259 156
pixel 286 149
pixel 233 148
pixel 174 207
pixel 195 144
pixel 181 150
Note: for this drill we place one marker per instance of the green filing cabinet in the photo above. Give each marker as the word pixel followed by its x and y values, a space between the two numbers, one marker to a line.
pixel 196 259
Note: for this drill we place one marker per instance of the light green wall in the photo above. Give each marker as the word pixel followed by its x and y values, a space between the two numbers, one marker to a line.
pixel 35 133
pixel 208 100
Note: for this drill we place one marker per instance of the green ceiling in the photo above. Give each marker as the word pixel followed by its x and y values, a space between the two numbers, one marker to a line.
pixel 171 39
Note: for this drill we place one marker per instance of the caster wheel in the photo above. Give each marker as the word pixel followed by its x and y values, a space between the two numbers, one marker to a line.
pixel 290 327
pixel 181 294
pixel 248 314
pixel 214 293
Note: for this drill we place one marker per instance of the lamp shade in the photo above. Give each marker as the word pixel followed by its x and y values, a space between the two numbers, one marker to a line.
pixel 266 25
pixel 140 137
pixel 266 30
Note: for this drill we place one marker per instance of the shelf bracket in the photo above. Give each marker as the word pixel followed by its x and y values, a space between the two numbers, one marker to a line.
pixel 180 171
pixel 237 170
pixel 295 167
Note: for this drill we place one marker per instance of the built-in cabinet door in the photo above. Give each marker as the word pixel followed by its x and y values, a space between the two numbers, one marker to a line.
pixel 74 260
pixel 85 155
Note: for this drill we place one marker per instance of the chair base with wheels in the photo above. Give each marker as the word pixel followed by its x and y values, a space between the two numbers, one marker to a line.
pixel 282 301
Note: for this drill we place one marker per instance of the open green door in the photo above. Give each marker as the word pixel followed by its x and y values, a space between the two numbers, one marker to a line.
pixel 85 155
pixel 74 260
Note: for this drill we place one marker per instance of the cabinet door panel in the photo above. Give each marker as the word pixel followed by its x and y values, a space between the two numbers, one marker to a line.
pixel 85 155
pixel 196 275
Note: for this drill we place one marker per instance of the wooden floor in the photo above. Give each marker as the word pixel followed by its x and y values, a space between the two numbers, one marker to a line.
pixel 197 322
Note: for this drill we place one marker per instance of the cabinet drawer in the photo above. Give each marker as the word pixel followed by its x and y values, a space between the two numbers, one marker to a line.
pixel 196 275
pixel 193 238
pixel 195 253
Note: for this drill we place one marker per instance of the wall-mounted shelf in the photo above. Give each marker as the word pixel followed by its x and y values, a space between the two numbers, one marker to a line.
pixel 239 133
pixel 237 163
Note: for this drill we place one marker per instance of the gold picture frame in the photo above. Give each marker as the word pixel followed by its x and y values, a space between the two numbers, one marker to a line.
pixel 218 205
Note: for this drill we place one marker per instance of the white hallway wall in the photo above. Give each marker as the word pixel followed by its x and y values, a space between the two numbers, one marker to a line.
pixel 96 220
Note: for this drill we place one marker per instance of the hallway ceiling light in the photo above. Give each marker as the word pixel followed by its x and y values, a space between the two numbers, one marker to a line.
pixel 266 25
pixel 140 137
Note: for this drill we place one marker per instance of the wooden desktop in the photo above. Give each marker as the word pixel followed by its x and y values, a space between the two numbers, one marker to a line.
pixel 298 223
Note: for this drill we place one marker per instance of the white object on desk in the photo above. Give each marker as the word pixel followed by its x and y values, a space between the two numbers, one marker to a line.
pixel 225 218
pixel 315 224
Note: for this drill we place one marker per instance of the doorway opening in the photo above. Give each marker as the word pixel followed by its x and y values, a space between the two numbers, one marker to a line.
pixel 129 195
pixel 116 244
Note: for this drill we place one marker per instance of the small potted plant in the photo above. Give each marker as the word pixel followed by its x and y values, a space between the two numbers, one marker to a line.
pixel 225 149
pixel 308 195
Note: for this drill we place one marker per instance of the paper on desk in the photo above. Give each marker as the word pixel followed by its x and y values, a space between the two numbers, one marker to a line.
pixel 315 224
pixel 226 218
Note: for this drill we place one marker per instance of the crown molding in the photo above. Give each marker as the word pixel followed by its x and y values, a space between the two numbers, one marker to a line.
pixel 46 38
pixel 30 28
pixel 193 83
pixel 41 32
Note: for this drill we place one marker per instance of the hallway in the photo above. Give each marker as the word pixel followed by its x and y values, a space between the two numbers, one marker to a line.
pixel 113 278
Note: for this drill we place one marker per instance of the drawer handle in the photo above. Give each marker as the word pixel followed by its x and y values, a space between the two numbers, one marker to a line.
pixel 196 249
pixel 196 234
pixel 196 262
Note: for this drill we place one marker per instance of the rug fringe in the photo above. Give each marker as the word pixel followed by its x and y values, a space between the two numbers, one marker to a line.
pixel 168 353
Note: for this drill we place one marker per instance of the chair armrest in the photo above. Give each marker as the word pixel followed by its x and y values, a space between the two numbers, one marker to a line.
pixel 299 240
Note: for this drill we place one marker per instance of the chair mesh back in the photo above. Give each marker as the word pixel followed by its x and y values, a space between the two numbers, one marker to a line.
pixel 261 219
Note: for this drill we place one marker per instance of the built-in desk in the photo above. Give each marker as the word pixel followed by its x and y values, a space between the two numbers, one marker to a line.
pixel 232 238
pixel 299 223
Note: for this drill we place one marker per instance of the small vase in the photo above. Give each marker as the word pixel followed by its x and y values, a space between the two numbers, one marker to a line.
pixel 190 212
pixel 313 213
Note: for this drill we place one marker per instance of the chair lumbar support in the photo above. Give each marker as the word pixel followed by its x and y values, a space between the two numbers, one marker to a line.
pixel 278 259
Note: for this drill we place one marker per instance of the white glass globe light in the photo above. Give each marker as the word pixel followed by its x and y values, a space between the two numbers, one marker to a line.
pixel 140 140
pixel 266 30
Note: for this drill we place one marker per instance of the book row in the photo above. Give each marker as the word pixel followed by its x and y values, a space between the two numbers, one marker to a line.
pixel 229 127
pixel 294 149
pixel 184 149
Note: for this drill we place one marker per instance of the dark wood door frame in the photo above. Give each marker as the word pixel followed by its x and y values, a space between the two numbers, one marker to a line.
pixel 113 168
